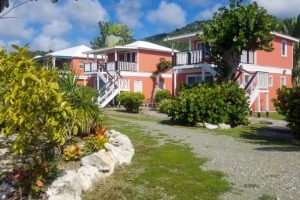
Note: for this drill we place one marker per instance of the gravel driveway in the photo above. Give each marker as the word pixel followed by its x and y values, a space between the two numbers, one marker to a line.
pixel 253 169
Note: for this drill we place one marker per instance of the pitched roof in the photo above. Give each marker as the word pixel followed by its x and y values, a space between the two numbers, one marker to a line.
pixel 134 45
pixel 76 52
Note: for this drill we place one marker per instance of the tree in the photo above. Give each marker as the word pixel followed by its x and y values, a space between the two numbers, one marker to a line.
pixel 234 29
pixel 112 34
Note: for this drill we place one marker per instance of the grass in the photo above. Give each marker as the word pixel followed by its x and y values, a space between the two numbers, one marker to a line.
pixel 159 171
pixel 272 115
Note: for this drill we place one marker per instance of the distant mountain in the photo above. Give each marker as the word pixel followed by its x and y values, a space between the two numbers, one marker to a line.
pixel 189 28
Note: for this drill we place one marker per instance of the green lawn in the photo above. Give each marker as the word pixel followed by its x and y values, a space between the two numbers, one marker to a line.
pixel 159 171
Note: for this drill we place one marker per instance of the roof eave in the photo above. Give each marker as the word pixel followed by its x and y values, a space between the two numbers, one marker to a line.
pixel 285 36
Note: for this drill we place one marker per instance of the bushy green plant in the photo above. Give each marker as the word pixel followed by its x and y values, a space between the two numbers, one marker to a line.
pixel 288 104
pixel 83 100
pixel 131 101
pixel 223 103
pixel 165 106
pixel 162 94
pixel 32 105
pixel 95 143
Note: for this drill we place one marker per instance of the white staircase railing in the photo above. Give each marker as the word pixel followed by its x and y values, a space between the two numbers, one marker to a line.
pixel 253 82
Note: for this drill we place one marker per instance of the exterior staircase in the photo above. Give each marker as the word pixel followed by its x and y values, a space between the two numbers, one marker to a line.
pixel 255 83
pixel 112 81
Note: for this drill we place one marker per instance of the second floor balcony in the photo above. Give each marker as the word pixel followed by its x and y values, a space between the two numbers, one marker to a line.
pixel 188 57
pixel 110 66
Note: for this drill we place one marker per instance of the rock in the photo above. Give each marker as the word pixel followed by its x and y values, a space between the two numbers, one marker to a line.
pixel 5 189
pixel 224 126
pixel 120 155
pixel 64 186
pixel 101 160
pixel 199 124
pixel 210 126
pixel 88 175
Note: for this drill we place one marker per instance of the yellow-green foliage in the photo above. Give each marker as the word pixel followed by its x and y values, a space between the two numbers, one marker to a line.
pixel 73 152
pixel 31 103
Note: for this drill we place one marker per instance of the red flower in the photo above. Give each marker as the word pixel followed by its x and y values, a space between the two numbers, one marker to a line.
pixel 45 165
pixel 39 183
pixel 18 174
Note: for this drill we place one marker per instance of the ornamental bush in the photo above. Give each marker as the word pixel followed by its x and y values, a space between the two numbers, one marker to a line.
pixel 162 94
pixel 131 101
pixel 288 104
pixel 223 103
pixel 165 106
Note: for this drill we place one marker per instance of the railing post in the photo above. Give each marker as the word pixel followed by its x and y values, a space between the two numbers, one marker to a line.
pixel 189 58
pixel 174 59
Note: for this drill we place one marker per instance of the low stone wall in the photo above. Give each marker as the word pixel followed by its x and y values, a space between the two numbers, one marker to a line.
pixel 70 185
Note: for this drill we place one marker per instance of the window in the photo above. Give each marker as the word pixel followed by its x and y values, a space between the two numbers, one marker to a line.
pixel 81 64
pixel 121 57
pixel 282 81
pixel 193 79
pixel 283 48
pixel 270 80
pixel 199 45
pixel 128 56
pixel 247 57
pixel 133 55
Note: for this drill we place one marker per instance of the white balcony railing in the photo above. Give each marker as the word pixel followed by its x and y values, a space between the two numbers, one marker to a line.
pixel 121 66
pixel 188 58
pixel 90 67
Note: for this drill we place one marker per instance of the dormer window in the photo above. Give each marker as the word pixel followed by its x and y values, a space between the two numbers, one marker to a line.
pixel 284 48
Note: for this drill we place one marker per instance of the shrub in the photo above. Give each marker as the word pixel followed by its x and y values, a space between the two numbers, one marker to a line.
pixel 32 105
pixel 288 104
pixel 131 101
pixel 223 103
pixel 162 94
pixel 73 152
pixel 95 143
pixel 83 100
pixel 165 106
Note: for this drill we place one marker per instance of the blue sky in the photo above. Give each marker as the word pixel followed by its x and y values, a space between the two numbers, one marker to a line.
pixel 69 23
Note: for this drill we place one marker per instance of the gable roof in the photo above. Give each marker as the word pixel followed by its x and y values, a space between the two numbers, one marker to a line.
pixel 133 46
pixel 285 36
pixel 76 52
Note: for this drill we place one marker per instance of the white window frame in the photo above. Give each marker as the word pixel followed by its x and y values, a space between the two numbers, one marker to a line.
pixel 284 54
pixel 272 80
pixel 284 78
pixel 194 75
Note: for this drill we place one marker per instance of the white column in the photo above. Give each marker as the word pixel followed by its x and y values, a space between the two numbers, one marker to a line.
pixel 258 103
pixel 190 44
pixel 203 74
pixel 84 81
pixel 98 85
pixel 53 62
pixel 116 55
pixel 175 82
pixel 137 61
pixel 172 48
pixel 267 102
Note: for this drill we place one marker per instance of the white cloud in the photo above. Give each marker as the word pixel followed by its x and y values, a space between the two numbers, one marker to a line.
pixel 47 42
pixel 129 13
pixel 208 13
pixel 56 28
pixel 46 25
pixel 195 2
pixel 281 8
pixel 169 15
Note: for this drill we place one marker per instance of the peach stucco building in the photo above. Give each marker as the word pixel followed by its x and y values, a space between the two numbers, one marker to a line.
pixel 261 73
pixel 127 68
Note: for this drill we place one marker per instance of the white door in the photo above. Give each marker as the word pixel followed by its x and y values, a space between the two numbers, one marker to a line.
pixel 138 86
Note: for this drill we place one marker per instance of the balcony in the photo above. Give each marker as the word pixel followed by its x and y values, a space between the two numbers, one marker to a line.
pixel 188 58
pixel 121 66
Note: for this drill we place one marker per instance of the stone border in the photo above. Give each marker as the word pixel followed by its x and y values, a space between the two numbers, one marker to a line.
pixel 70 185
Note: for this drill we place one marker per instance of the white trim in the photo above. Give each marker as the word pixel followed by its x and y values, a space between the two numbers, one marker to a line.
pixel 269 69
pixel 189 70
pixel 143 74
pixel 285 36
pixel 134 86
pixel 82 77
pixel 183 36
pixel 272 80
